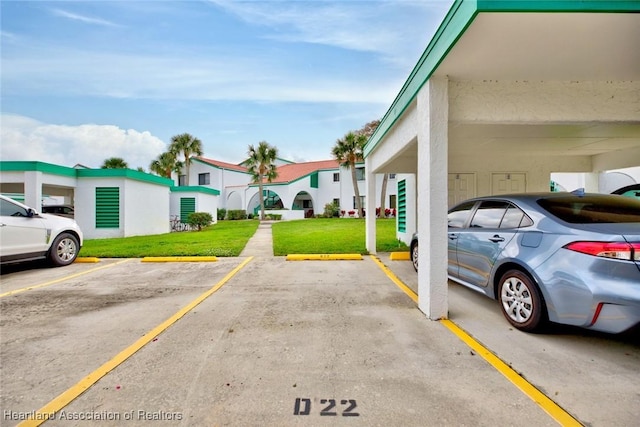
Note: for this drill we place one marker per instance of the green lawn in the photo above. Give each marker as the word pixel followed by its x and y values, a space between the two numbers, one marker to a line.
pixel 332 236
pixel 228 238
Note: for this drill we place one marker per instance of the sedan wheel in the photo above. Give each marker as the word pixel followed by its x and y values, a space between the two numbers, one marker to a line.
pixel 64 250
pixel 521 302
pixel 414 256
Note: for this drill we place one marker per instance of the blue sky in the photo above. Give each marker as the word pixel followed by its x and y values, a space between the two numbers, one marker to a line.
pixel 82 81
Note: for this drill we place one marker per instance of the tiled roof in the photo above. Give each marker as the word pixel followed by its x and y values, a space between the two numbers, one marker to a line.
pixel 286 173
pixel 222 165
pixel 289 173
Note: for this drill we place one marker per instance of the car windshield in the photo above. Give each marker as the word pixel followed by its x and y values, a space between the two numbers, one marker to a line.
pixel 593 209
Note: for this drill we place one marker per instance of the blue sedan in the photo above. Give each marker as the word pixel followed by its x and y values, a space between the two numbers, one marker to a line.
pixel 561 257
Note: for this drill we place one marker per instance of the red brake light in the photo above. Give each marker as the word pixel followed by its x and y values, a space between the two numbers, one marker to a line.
pixel 616 250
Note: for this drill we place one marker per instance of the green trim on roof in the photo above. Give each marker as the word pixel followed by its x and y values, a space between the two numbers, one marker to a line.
pixel 124 173
pixel 195 189
pixel 29 166
pixel 453 26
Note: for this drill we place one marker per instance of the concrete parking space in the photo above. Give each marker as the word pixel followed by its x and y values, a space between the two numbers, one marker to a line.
pixel 287 343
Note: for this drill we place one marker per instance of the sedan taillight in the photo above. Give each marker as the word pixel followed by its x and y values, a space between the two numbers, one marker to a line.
pixel 616 250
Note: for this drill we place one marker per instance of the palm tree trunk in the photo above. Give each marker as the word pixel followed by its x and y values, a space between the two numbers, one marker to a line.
pixel 261 198
pixel 356 190
pixel 383 195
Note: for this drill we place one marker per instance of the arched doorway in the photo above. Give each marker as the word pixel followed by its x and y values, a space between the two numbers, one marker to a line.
pixel 271 201
pixel 303 201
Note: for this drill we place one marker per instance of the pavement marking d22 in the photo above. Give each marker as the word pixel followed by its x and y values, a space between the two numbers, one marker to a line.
pixel 547 405
pixel 50 409
pixel 62 279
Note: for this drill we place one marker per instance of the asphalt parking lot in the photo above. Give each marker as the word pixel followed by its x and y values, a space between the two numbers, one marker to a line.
pixel 256 341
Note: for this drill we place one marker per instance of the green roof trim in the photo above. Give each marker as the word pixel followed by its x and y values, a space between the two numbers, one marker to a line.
pixel 453 26
pixel 33 166
pixel 124 173
pixel 195 189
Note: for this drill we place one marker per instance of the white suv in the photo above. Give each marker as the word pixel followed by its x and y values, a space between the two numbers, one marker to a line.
pixel 27 235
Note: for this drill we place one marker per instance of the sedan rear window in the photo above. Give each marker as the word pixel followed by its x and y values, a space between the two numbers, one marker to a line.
pixel 593 209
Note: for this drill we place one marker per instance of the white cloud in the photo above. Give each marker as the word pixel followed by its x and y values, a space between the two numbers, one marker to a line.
pixel 381 27
pixel 26 139
pixel 83 18
pixel 61 71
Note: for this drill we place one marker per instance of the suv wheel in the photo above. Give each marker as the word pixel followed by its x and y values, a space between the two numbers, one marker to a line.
pixel 64 250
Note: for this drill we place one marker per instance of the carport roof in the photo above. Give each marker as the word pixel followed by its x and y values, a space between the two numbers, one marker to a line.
pixel 537 40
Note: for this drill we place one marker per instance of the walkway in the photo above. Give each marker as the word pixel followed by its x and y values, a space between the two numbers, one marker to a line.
pixel 261 244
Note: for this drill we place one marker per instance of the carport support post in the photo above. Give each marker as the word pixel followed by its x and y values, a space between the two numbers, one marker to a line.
pixel 33 190
pixel 433 122
pixel 370 208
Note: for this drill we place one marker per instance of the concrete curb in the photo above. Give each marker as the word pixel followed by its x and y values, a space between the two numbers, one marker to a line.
pixel 179 259
pixel 324 257
pixel 400 256
pixel 86 260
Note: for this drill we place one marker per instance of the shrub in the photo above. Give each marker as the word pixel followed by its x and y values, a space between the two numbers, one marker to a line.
pixel 199 219
pixel 250 216
pixel 222 213
pixel 331 210
pixel 234 214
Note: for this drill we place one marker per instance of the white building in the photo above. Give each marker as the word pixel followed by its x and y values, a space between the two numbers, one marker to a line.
pixel 302 189
pixel 125 202
pixel 504 95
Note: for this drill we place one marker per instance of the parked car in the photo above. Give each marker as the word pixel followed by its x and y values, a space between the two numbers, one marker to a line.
pixel 27 235
pixel 60 210
pixel 629 191
pixel 562 257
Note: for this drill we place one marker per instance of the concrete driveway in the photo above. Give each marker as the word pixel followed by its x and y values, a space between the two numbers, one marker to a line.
pixel 256 341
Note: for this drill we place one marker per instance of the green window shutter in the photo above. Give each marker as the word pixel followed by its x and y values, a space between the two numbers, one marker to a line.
pixel 314 180
pixel 187 206
pixel 107 207
pixel 402 206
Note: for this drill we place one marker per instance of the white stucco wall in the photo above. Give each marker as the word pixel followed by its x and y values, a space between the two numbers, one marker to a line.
pixel 144 207
pixel 204 202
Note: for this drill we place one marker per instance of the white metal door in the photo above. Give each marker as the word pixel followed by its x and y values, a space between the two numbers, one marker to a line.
pixel 462 186
pixel 506 183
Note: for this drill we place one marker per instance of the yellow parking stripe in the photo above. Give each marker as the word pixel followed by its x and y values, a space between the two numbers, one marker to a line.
pixel 84 384
pixel 548 405
pixel 407 290
pixel 62 279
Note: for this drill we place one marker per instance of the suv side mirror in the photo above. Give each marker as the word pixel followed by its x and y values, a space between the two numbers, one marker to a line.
pixel 30 213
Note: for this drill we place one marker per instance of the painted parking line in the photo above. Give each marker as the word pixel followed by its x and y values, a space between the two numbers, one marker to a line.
pixel 62 279
pixel 407 290
pixel 50 409
pixel 324 257
pixel 549 406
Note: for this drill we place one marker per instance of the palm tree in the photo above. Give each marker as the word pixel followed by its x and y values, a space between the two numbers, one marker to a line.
pixel 261 165
pixel 114 163
pixel 368 130
pixel 186 145
pixel 348 151
pixel 165 164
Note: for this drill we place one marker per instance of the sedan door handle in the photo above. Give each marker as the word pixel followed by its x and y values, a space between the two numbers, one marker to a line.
pixel 453 236
pixel 497 238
